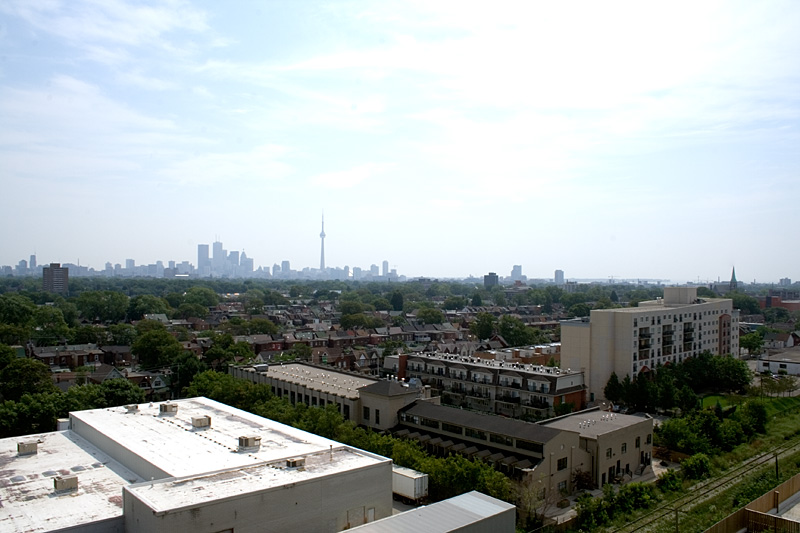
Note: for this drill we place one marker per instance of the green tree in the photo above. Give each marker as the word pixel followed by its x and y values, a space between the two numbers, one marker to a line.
pixel 397 300
pixel 697 466
pixel 752 342
pixel 156 349
pixel 483 326
pixel 746 304
pixel 579 310
pixel 88 334
pixel 454 302
pixel 104 306
pixel 430 316
pixel 120 391
pixel 121 334
pixel 202 296
pixel 25 376
pixel 147 304
pixel 477 301
pixel 49 327
pixel 16 310
pixel 613 389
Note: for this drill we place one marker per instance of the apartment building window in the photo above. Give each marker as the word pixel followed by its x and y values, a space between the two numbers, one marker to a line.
pixel 562 486
pixel 624 447
pixel 649 438
pixel 608 453
pixel 638 442
pixel 377 416
pixel 474 433
pixel 562 464
pixel 500 439
pixel 366 414
pixel 530 446
pixel 450 428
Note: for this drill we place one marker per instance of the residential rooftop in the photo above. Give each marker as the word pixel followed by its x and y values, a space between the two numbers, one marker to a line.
pixel 494 364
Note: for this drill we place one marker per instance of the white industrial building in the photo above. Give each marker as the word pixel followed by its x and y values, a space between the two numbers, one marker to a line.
pixel 188 465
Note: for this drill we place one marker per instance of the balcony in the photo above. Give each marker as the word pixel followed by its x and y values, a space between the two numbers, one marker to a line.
pixel 537 403
pixel 644 334
pixel 508 399
pixel 475 393
pixel 688 327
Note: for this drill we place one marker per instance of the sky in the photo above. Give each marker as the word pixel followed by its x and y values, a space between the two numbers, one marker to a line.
pixel 605 139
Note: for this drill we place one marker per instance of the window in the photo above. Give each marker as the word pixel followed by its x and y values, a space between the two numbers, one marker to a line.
pixel 377 416
pixel 366 414
pixel 562 487
pixel 624 447
pixel 638 442
pixel 608 453
pixel 474 433
pixel 451 428
pixel 500 439
pixel 530 446
pixel 649 438
pixel 562 464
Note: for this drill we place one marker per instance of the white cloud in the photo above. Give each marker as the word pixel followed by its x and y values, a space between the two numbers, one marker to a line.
pixel 346 179
pixel 260 165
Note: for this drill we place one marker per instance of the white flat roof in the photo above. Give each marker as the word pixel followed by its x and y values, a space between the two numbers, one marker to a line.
pixel 191 491
pixel 594 423
pixel 27 496
pixel 321 379
pixel 171 444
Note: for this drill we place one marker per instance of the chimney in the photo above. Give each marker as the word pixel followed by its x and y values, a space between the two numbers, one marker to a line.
pixel 28 448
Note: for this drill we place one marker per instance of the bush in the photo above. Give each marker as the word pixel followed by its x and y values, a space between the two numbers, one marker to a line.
pixel 669 481
pixel 697 466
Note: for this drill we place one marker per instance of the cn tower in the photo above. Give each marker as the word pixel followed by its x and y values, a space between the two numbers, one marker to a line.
pixel 322 248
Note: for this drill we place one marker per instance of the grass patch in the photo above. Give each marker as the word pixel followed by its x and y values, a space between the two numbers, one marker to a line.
pixel 711 401
pixel 776 406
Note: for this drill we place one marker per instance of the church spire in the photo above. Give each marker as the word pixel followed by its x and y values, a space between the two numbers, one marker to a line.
pixel 734 284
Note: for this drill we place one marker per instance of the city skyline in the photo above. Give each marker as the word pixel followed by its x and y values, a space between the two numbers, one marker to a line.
pixel 609 141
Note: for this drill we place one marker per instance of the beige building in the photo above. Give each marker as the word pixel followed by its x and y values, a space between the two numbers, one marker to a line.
pixel 613 446
pixel 637 339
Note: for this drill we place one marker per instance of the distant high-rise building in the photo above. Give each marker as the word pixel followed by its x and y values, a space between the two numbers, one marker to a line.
pixel 385 268
pixel 55 278
pixel 490 280
pixel 245 263
pixel 373 270
pixel 203 262
pixel 784 282
pixel 322 246
pixel 32 264
pixel 285 268
pixel 217 256
pixel 130 264
pixel 559 277
pixel 276 270
pixel 516 272
pixel 233 258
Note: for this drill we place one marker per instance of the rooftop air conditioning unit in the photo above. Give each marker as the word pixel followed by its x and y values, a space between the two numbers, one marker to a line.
pixel 249 442
pixel 27 448
pixel 63 483
pixel 168 408
pixel 201 421
pixel 296 462
pixel 132 408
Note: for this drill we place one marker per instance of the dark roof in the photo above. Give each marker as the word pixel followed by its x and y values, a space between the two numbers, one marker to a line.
pixel 386 387
pixel 491 423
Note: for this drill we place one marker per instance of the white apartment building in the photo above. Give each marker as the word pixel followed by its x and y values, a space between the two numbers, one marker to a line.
pixel 637 339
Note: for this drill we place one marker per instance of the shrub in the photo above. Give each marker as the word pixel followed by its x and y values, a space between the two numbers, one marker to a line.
pixel 697 466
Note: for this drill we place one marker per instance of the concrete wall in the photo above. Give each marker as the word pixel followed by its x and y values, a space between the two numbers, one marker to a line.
pixel 632 457
pixel 328 504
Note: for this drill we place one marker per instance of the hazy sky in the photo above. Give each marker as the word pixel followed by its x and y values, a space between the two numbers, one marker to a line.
pixel 450 138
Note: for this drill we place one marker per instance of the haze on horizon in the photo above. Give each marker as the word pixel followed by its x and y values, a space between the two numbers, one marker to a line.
pixel 620 139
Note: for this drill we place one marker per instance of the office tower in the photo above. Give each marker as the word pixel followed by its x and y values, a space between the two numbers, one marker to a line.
pixel 516 272
pixel 130 264
pixel 33 262
pixel 490 280
pixel 233 258
pixel 373 269
pixel 559 277
pixel 55 278
pixel 385 268
pixel 202 258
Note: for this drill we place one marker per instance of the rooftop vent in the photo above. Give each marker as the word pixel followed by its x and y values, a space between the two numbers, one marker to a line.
pixel 251 441
pixel 296 462
pixel 62 424
pixel 132 408
pixel 64 483
pixel 168 408
pixel 28 448
pixel 201 421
